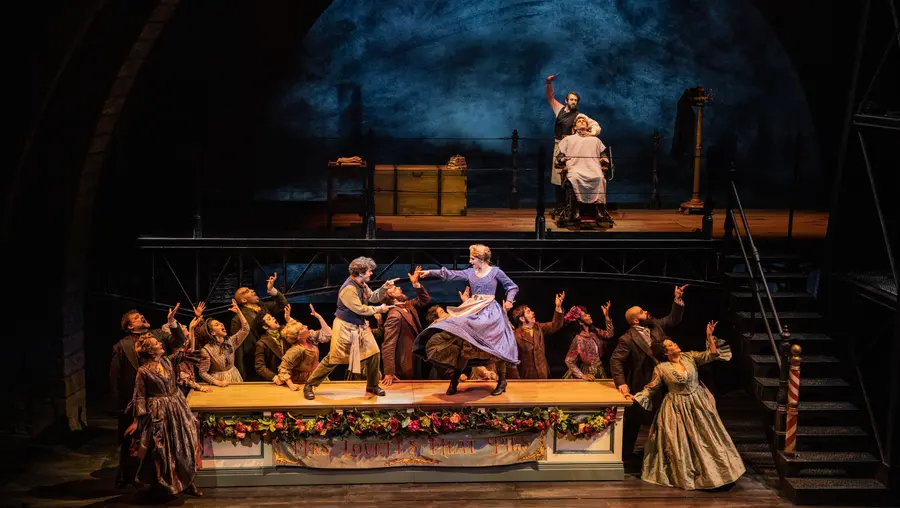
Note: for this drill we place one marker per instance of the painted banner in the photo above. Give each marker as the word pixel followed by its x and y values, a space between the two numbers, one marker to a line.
pixel 446 450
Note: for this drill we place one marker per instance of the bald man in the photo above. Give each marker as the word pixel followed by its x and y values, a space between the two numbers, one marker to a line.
pixel 254 310
pixel 634 359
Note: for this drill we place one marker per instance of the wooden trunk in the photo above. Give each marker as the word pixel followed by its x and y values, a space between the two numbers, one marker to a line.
pixel 419 190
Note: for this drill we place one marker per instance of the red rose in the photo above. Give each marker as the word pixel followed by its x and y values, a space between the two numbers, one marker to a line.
pixel 254 425
pixel 279 417
pixel 413 425
pixel 279 426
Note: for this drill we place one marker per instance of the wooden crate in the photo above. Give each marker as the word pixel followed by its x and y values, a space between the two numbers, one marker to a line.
pixel 419 190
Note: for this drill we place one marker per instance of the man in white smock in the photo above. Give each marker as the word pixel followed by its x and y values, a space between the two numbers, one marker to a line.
pixel 585 164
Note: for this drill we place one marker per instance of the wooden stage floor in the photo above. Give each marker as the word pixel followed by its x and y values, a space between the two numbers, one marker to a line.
pixel 562 393
pixel 763 223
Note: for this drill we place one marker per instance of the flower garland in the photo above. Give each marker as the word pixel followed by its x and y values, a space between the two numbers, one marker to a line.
pixel 285 427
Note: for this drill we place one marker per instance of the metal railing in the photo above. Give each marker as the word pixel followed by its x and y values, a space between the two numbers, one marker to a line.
pixel 753 265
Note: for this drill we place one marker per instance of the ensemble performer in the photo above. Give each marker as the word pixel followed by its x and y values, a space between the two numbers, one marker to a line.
pixel 688 446
pixel 479 328
pixel 352 341
pixel 217 364
pixel 254 311
pixel 585 163
pixel 187 371
pixel 563 126
pixel 125 363
pixel 165 441
pixel 585 356
pixel 271 347
pixel 530 340
pixel 301 360
pixel 634 359
pixel 401 326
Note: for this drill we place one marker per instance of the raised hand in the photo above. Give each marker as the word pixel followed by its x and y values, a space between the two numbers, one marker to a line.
pixel 679 292
pixel 551 77
pixel 606 309
pixel 389 284
pixel 198 310
pixel 710 328
pixel 560 297
pixel 195 323
pixel 173 312
pixel 313 313
pixel 464 295
pixel 414 276
pixel 270 284
pixel 287 312
pixel 234 307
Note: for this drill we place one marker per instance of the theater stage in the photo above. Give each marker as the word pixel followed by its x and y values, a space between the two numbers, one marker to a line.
pixel 763 223
pixel 476 455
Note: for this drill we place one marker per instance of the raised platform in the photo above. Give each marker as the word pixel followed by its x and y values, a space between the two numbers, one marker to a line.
pixel 763 223
pixel 444 457
pixel 562 393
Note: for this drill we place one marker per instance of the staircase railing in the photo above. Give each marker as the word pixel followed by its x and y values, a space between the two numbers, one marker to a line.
pixel 753 265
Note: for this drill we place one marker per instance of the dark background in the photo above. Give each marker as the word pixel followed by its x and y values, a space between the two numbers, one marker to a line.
pixel 217 120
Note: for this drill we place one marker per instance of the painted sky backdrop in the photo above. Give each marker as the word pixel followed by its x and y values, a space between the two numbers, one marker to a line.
pixel 476 69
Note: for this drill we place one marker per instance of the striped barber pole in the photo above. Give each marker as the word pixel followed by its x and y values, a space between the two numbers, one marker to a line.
pixel 790 435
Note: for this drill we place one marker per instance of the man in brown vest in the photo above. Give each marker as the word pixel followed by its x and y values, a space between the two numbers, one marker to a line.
pixel 401 326
pixel 530 340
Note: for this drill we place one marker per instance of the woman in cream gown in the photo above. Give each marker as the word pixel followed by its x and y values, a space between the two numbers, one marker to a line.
pixel 688 447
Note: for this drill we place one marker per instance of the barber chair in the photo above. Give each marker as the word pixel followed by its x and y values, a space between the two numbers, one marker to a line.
pixel 571 213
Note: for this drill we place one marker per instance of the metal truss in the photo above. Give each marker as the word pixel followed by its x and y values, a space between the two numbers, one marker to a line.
pixel 191 270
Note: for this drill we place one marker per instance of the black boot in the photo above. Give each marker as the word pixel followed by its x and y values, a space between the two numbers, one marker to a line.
pixel 501 379
pixel 308 392
pixel 454 382
pixel 376 391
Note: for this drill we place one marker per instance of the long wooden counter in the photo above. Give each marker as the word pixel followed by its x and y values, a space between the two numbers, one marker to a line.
pixel 464 457
pixel 562 393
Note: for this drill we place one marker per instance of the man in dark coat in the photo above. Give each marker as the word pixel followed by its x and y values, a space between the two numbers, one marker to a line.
pixel 530 341
pixel 401 326
pixel 271 347
pixel 634 359
pixel 254 310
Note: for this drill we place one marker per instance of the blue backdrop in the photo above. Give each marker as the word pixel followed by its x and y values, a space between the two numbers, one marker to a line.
pixel 476 69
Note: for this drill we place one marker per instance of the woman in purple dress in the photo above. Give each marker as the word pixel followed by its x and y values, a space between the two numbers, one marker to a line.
pixel 478 330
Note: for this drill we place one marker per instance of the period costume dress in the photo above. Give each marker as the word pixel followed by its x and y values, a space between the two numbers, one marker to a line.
pixel 480 323
pixel 218 358
pixel 244 357
pixel 401 327
pixel 123 370
pixel 585 354
pixel 632 363
pixel 165 443
pixel 532 351
pixel 352 341
pixel 301 360
pixel 688 447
